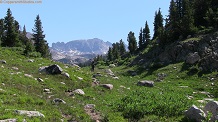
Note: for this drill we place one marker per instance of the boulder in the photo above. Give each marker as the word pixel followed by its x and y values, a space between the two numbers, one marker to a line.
pixel 212 107
pixel 3 61
pixel 112 65
pixel 30 60
pixel 192 58
pixel 9 120
pixel 15 68
pixel 29 113
pixel 79 91
pixel 28 75
pixel 53 69
pixel 195 113
pixel 58 100
pixel 108 71
pixel 40 80
pixel 107 86
pixel 146 83
pixel 46 90
pixel 116 78
pixel 80 78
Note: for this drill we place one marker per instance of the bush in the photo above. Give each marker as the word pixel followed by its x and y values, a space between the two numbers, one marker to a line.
pixel 140 103
pixel 34 54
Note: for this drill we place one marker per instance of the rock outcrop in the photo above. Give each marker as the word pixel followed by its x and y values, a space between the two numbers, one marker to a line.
pixel 29 113
pixel 53 69
pixel 146 83
pixel 202 50
pixel 195 113
pixel 210 111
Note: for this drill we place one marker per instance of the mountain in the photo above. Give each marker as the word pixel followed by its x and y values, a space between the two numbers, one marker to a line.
pixel 79 51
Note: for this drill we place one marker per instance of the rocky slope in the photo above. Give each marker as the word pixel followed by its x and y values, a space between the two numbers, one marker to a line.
pixel 201 50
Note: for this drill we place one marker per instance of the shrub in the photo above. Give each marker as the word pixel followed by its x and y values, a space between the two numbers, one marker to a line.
pixel 140 103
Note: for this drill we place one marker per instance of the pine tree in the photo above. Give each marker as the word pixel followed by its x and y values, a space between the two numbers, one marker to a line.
pixel 158 23
pixel 212 17
pixel 115 50
pixel 173 22
pixel 17 26
pixel 41 45
pixel 11 36
pixel 132 42
pixel 122 47
pixel 1 30
pixel 29 47
pixel 146 32
pixel 141 44
pixel 110 54
pixel 24 31
pixel 200 9
pixel 187 24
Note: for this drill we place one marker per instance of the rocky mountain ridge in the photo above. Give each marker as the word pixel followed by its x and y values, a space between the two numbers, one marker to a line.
pixel 79 51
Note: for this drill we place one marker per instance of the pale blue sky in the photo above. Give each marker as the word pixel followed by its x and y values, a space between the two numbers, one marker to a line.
pixel 109 20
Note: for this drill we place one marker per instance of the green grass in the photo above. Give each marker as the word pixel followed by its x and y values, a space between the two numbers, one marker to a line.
pixel 125 102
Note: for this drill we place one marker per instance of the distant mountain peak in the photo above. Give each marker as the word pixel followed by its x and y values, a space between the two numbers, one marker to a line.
pixel 79 48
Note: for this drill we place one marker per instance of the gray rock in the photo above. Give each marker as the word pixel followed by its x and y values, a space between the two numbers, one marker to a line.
pixel 28 75
pixel 9 120
pixel 40 80
pixel 53 69
pixel 80 78
pixel 58 101
pixel 146 83
pixel 116 78
pixel 15 68
pixel 79 91
pixel 107 86
pixel 30 60
pixel 192 58
pixel 29 113
pixel 112 65
pixel 108 71
pixel 3 61
pixel 195 113
pixel 46 90
pixel 212 107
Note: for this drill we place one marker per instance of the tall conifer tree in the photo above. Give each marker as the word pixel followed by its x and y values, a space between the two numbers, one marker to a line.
pixel 41 45
pixel 158 23
pixel 132 42
pixel 146 32
pixel 11 36
pixel 141 41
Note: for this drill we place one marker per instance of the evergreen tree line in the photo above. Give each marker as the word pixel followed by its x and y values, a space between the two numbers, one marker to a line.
pixel 12 36
pixel 186 17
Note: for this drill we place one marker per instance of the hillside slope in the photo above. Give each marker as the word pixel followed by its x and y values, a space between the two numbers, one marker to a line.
pixel 121 101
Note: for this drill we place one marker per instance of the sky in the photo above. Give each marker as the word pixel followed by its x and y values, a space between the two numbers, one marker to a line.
pixel 67 20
